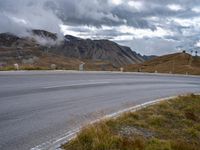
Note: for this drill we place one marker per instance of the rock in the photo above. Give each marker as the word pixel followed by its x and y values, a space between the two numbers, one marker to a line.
pixel 128 131
pixel 53 66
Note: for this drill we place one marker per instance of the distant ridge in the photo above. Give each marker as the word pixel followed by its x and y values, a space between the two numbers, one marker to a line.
pixel 178 63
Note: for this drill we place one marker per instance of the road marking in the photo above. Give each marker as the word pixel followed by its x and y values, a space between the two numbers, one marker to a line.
pixel 55 144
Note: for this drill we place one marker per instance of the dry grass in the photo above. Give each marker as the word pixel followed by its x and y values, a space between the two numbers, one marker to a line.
pixel 99 66
pixel 170 125
pixel 179 63
pixel 62 63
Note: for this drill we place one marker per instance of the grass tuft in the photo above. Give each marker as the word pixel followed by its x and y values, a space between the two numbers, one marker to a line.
pixel 169 125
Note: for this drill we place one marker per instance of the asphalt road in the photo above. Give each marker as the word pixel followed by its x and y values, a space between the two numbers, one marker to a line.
pixel 36 107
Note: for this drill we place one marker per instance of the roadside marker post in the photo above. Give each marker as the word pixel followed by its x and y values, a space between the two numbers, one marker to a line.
pixel 81 67
pixel 16 66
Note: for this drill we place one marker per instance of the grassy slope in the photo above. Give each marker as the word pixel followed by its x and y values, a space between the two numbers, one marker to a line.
pixel 170 125
pixel 175 63
pixel 180 63
pixel 61 62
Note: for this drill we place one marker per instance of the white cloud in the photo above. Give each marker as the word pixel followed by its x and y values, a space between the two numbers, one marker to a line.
pixel 123 38
pixel 66 30
pixel 136 4
pixel 175 7
pixel 197 44
pixel 85 31
pixel 151 46
pixel 116 2
pixel 187 22
pixel 196 9
pixel 141 33
pixel 18 20
pixel 153 18
pixel 126 32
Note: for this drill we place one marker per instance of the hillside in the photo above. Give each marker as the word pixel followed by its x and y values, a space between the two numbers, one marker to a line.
pixel 43 48
pixel 178 63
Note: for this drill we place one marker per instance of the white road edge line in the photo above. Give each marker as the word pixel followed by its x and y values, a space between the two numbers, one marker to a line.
pixel 55 144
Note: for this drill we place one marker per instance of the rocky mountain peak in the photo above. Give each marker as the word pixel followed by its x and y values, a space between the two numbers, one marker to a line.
pixel 44 34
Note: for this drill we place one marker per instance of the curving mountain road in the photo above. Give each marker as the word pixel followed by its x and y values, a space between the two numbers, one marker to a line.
pixel 36 107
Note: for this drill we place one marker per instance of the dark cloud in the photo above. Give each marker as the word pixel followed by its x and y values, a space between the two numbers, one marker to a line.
pixel 171 24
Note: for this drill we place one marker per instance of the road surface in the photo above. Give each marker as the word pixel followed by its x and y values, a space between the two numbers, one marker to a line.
pixel 37 107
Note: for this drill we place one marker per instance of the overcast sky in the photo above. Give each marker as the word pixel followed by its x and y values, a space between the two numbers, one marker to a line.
pixel 147 26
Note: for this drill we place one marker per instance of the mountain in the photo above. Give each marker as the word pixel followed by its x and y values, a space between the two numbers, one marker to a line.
pixel 44 34
pixel 97 50
pixel 43 47
pixel 178 63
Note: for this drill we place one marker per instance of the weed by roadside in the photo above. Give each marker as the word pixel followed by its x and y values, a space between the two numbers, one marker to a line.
pixel 169 125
